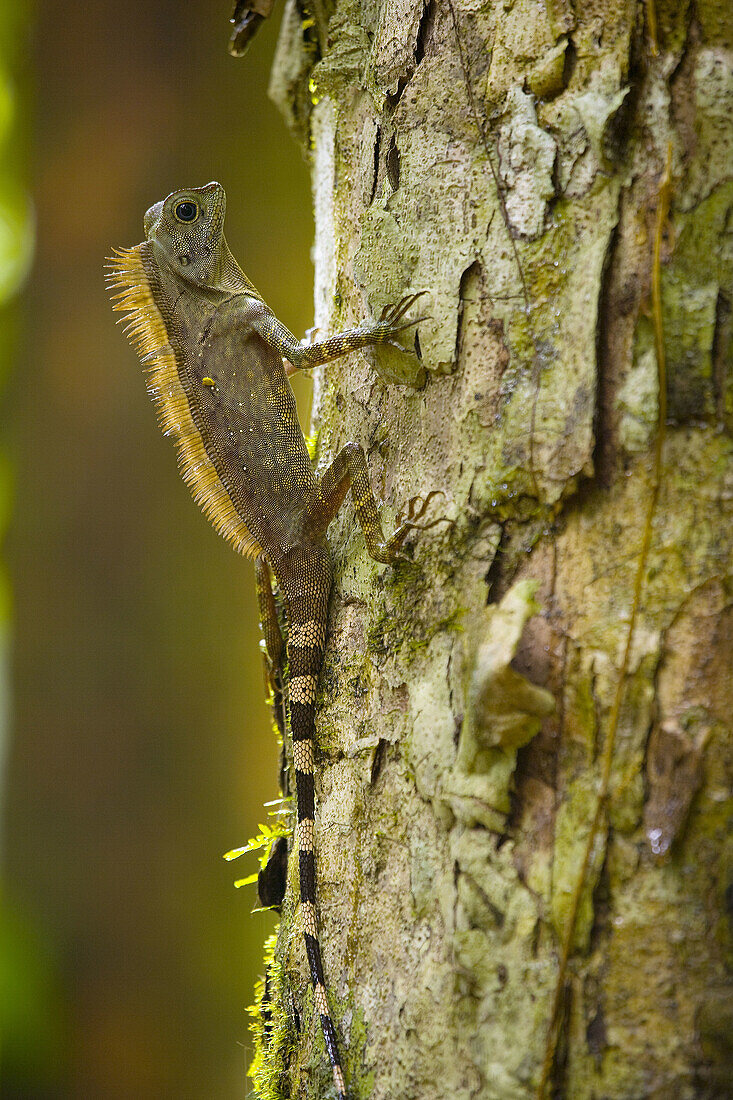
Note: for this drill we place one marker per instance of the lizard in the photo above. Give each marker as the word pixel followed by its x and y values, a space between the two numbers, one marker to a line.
pixel 217 360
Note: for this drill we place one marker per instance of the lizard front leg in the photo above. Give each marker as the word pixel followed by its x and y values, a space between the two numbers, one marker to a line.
pixel 304 356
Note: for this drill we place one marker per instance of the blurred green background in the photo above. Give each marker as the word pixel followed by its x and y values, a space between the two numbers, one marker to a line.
pixel 136 747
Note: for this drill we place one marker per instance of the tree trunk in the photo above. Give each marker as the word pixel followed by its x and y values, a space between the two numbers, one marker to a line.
pixel 522 753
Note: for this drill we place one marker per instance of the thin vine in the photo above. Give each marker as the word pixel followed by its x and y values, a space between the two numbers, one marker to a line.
pixel 607 760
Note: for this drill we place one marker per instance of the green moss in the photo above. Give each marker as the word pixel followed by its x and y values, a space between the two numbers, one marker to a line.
pixel 339 70
pixel 389 635
pixel 353 1054
pixel 702 235
pixel 401 625
pixel 272 1030
pixel 263 842
pixel 716 21
pixel 359 1083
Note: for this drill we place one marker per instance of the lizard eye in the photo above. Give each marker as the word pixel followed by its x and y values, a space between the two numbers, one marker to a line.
pixel 187 211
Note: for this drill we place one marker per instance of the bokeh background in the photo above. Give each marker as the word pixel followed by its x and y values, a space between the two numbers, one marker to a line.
pixel 136 745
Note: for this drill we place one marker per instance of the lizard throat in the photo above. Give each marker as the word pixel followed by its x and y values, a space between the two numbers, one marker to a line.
pixel 131 281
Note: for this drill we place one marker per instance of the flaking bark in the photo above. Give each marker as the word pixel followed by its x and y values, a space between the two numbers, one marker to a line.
pixel 511 159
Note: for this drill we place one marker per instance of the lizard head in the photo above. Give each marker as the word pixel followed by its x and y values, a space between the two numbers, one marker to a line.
pixel 188 228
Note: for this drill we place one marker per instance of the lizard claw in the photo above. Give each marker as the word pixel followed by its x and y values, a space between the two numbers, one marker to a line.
pixel 398 311
pixel 407 520
pixel 416 509
pixel 391 320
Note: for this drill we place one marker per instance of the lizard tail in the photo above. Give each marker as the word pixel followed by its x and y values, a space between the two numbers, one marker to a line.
pixel 305 646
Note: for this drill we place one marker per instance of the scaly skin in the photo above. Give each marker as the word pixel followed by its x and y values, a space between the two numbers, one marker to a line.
pixel 214 353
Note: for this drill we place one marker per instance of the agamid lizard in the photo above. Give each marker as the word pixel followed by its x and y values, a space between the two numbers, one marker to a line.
pixel 214 355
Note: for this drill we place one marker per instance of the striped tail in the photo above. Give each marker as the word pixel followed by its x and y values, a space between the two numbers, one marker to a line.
pixel 306 642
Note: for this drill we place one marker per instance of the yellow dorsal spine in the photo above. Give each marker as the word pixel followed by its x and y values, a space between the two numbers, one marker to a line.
pixel 146 331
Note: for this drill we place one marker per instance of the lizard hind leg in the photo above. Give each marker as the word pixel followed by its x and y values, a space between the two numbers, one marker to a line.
pixel 349 471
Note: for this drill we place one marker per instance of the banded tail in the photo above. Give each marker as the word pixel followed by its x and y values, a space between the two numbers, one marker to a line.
pixel 305 646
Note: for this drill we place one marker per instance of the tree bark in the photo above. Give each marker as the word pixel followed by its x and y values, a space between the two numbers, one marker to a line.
pixel 524 775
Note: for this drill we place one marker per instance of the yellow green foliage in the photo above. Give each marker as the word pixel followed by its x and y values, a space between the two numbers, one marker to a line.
pixel 271 1030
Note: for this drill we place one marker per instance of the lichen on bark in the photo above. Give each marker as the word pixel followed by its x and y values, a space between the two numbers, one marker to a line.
pixel 452 838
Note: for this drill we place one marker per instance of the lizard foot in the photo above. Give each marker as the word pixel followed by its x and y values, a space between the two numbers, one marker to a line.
pixel 407 520
pixel 391 320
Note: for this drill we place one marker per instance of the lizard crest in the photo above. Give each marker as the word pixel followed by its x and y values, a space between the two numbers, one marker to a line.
pixel 135 275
